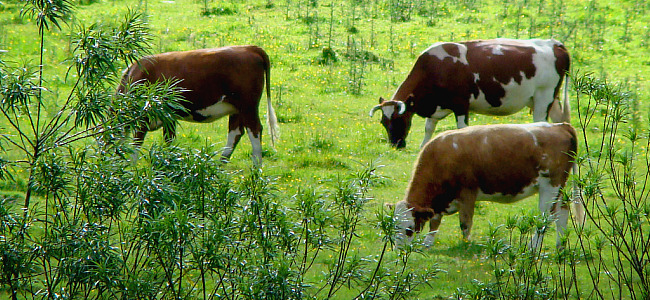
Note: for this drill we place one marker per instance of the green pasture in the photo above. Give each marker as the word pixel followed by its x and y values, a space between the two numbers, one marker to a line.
pixel 331 61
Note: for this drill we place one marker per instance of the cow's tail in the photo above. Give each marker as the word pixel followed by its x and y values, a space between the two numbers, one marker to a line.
pixel 562 113
pixel 577 201
pixel 576 198
pixel 271 118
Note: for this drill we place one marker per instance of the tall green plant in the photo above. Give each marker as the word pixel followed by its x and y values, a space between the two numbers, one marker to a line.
pixel 47 147
pixel 614 177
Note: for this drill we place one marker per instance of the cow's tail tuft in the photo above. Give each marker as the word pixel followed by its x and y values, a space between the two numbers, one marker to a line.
pixel 271 118
pixel 566 106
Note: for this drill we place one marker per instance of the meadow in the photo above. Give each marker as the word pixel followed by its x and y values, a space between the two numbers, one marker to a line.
pixel 312 223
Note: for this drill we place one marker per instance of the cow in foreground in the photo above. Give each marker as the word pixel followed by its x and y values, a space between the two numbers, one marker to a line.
pixel 497 163
pixel 490 77
pixel 218 82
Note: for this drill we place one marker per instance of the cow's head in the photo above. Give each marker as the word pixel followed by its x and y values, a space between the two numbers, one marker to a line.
pixel 410 221
pixel 396 118
pixel 405 224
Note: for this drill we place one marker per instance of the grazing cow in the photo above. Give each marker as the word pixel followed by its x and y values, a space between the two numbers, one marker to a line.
pixel 490 77
pixel 497 163
pixel 218 82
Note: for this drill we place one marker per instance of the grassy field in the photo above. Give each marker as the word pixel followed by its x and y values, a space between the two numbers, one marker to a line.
pixel 326 133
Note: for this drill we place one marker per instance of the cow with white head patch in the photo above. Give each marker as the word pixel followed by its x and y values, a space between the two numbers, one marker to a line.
pixel 496 163
pixel 491 77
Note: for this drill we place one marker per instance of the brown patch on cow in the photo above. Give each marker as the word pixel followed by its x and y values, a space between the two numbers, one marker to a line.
pixel 451 49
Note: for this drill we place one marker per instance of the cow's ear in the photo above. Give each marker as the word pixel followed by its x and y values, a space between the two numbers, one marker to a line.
pixel 410 102
pixel 381 100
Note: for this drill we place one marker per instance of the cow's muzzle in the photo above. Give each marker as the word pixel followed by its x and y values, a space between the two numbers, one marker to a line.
pixel 399 144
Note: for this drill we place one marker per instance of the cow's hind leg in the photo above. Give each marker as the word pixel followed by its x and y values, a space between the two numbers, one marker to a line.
pixel 254 127
pixel 561 213
pixel 549 201
pixel 235 131
pixel 542 104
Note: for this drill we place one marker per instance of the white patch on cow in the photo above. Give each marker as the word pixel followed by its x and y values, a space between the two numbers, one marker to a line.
pixel 527 191
pixel 485 140
pixel 497 50
pixel 214 112
pixel 532 134
pixel 439 52
pixel 388 111
pixel 536 124
pixel 405 220
pixel 440 113
pixel 455 145
pixel 477 77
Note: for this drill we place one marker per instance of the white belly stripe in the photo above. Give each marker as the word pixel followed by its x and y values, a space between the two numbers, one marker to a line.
pixel 215 111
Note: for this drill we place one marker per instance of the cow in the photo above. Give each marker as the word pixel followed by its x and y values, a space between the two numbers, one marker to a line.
pixel 490 77
pixel 217 82
pixel 496 163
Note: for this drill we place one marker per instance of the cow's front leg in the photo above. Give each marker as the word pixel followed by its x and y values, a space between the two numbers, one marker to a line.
pixel 434 223
pixel 429 128
pixel 138 139
pixel 466 212
pixel 235 131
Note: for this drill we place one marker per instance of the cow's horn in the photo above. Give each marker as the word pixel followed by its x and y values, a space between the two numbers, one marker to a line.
pixel 402 107
pixel 374 109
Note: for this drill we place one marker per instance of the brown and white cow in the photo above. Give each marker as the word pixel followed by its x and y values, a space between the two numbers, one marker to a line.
pixel 490 77
pixel 218 82
pixel 497 163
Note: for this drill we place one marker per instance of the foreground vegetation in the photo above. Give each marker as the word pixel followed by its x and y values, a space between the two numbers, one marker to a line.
pixel 79 220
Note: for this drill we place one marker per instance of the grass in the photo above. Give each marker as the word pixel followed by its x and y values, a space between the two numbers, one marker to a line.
pixel 325 129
